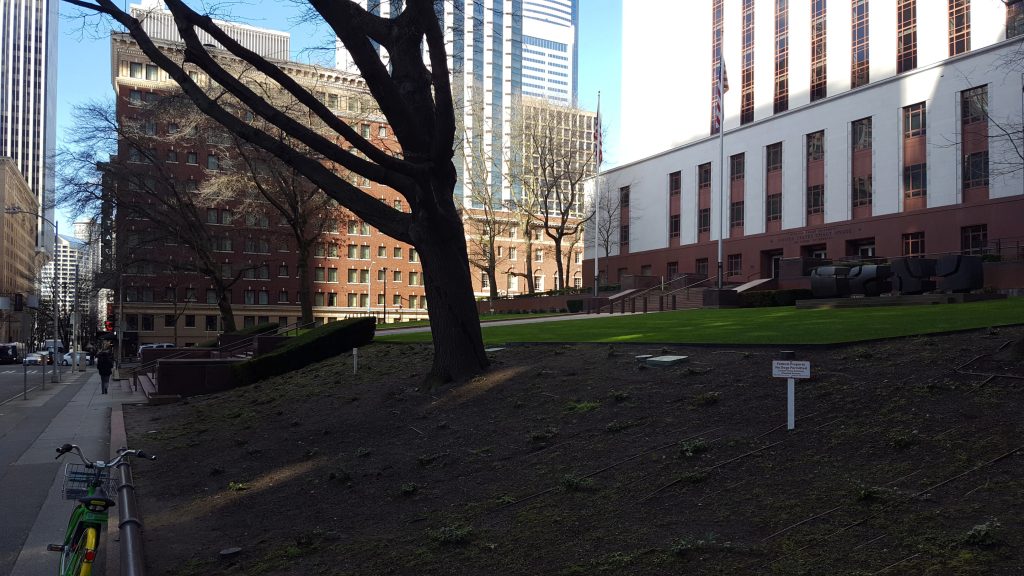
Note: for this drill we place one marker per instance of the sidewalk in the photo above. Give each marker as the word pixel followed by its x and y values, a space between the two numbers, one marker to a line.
pixel 87 421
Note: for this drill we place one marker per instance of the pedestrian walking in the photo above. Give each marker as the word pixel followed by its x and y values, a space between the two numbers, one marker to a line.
pixel 104 365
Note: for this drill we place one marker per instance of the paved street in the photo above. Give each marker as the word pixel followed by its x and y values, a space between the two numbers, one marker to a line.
pixel 72 411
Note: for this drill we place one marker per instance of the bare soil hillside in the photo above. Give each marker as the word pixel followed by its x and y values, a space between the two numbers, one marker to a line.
pixel 573 459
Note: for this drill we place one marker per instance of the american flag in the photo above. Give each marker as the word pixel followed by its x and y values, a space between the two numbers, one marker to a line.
pixel 721 87
pixel 598 152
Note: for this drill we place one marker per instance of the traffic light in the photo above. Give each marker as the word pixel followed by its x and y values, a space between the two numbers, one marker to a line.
pixel 108 325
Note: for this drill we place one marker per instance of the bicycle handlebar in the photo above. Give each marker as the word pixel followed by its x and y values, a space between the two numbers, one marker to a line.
pixel 121 454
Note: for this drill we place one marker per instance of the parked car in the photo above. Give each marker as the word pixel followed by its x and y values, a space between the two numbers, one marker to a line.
pixel 83 358
pixel 33 359
pixel 155 345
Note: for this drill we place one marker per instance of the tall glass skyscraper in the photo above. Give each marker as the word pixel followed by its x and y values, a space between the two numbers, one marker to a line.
pixel 28 105
pixel 500 50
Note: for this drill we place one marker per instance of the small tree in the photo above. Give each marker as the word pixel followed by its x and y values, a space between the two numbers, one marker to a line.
pixel 156 209
pixel 558 156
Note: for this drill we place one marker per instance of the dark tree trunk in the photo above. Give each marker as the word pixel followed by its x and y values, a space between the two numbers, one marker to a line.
pixel 492 279
pixel 226 313
pixel 454 321
pixel 305 286
pixel 560 270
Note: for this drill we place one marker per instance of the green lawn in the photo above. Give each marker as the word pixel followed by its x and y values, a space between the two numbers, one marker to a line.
pixel 484 319
pixel 758 325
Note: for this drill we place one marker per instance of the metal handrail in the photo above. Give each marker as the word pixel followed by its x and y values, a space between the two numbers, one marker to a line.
pixel 232 348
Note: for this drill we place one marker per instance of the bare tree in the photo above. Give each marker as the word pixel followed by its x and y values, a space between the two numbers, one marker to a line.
pixel 416 100
pixel 154 207
pixel 558 156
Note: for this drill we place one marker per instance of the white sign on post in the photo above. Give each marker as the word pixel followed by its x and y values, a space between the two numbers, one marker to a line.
pixel 791 370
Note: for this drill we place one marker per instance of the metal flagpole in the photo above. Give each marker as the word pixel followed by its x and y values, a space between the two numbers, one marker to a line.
pixel 723 86
pixel 597 193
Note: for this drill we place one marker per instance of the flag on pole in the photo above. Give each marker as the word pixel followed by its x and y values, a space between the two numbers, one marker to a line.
pixel 598 152
pixel 721 87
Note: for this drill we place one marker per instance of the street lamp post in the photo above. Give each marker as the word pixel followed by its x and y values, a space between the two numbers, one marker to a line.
pixel 385 295
pixel 53 355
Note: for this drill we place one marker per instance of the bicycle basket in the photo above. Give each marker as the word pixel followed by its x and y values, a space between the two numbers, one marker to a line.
pixel 78 478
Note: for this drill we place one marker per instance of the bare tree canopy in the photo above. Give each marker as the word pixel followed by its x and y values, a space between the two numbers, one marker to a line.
pixel 413 95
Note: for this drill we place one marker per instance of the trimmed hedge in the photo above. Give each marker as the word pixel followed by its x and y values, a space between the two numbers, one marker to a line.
pixel 313 346
pixel 574 305
pixel 767 298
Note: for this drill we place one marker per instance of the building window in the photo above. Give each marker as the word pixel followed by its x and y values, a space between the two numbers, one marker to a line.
pixel 973 239
pixel 859 69
pixel 152 72
pixel 190 321
pixel 736 166
pixel 169 320
pixel 704 175
pixel 861 130
pixel 815 199
pixel 914 120
pixel 974 105
pixel 624 196
pixel 211 296
pixel 906 35
pixel 250 296
pixel 701 266
pixel 704 220
pixel 915 181
pixel 913 244
pixel 975 169
pixel 147 322
pixel 192 158
pixel 211 323
pixel 736 214
pixel 773 207
pixel 773 157
pixel 172 155
pixel 318 298
pixel 734 265
pixel 816 146
pixel 212 162
pixel 135 69
pixel 134 97
pixel 675 181
pixel 673 226
pixel 819 75
pixel 861 191
pixel 781 101
pixel 959 26
pixel 264 297
pixel 512 253
pixel 319 274
pixel 747 55
pixel 282 296
pixel 624 234
pixel 1014 18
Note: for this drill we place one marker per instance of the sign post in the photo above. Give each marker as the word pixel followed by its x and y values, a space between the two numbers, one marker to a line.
pixel 790 370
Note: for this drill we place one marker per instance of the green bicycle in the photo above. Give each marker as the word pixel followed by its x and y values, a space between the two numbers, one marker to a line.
pixel 91 485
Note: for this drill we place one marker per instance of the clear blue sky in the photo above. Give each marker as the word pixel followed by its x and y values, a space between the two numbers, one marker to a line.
pixel 84 58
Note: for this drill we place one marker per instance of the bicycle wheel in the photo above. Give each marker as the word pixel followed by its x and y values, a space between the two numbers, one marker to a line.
pixel 79 557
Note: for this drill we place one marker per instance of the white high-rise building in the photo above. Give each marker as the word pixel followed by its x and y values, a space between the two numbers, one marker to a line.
pixel 499 50
pixel 28 105
pixel 72 263
pixel 850 130
pixel 158 22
